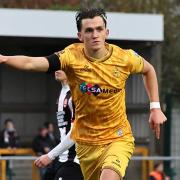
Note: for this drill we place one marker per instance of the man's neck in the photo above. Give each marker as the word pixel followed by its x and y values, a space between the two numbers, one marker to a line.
pixel 97 54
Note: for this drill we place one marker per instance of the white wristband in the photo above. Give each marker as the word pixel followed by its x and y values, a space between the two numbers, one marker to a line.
pixel 155 105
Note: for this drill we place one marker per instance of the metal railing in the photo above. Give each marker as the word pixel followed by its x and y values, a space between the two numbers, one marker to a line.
pixel 18 151
pixel 140 154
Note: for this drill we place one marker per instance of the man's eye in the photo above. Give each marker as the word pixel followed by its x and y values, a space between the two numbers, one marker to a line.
pixel 88 30
pixel 99 29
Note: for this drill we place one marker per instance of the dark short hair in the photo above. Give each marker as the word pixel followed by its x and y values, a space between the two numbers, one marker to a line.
pixel 89 13
pixel 157 165
pixel 7 121
pixel 47 123
pixel 41 128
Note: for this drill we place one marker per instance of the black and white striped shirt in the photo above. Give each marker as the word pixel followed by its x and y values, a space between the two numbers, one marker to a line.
pixel 65 119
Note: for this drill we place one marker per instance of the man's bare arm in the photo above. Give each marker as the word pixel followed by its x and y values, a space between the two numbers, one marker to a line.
pixel 26 62
pixel 157 117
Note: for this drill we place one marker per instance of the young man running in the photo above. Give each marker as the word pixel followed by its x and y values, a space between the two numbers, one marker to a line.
pixel 97 73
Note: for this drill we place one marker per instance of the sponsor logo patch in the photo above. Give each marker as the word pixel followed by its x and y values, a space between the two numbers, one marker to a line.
pixel 96 89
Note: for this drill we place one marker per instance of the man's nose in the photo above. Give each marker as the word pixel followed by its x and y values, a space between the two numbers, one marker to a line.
pixel 95 34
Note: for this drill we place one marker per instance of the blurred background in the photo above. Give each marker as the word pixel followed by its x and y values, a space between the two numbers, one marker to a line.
pixel 41 27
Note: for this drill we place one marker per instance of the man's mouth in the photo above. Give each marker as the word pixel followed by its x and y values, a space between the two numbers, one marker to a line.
pixel 95 42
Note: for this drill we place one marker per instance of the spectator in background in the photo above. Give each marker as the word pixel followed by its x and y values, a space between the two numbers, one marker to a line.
pixel 41 145
pixel 53 141
pixel 40 142
pixel 8 136
pixel 158 172
pixel 9 139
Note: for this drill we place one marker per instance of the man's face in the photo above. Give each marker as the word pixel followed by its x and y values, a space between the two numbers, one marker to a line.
pixel 93 33
pixel 10 126
pixel 60 75
pixel 160 168
pixel 43 132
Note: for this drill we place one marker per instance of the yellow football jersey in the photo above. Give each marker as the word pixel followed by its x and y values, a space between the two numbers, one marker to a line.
pixel 98 91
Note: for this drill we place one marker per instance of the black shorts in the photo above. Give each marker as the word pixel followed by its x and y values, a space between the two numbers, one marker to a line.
pixel 51 170
pixel 69 171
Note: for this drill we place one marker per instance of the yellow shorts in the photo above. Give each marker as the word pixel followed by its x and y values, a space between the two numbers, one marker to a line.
pixel 93 159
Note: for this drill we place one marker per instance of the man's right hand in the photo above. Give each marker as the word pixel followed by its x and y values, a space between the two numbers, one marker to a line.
pixel 42 161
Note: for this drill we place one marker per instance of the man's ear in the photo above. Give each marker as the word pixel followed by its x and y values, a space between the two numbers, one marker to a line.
pixel 80 36
pixel 107 33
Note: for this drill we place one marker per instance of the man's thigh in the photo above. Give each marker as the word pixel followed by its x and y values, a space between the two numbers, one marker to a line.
pixel 114 156
pixel 117 157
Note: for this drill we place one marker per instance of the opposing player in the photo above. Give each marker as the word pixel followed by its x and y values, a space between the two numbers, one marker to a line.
pixel 97 73
pixel 66 167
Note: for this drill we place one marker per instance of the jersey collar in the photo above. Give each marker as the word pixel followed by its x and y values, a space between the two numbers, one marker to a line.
pixel 110 50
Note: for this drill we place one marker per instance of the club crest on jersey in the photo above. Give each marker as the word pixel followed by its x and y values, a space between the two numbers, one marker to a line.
pixel 96 89
pixel 116 72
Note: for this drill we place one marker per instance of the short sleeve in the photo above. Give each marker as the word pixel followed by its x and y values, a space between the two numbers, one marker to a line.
pixel 135 62
pixel 64 58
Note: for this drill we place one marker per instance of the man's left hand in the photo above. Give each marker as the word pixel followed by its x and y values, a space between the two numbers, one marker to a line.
pixel 156 118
